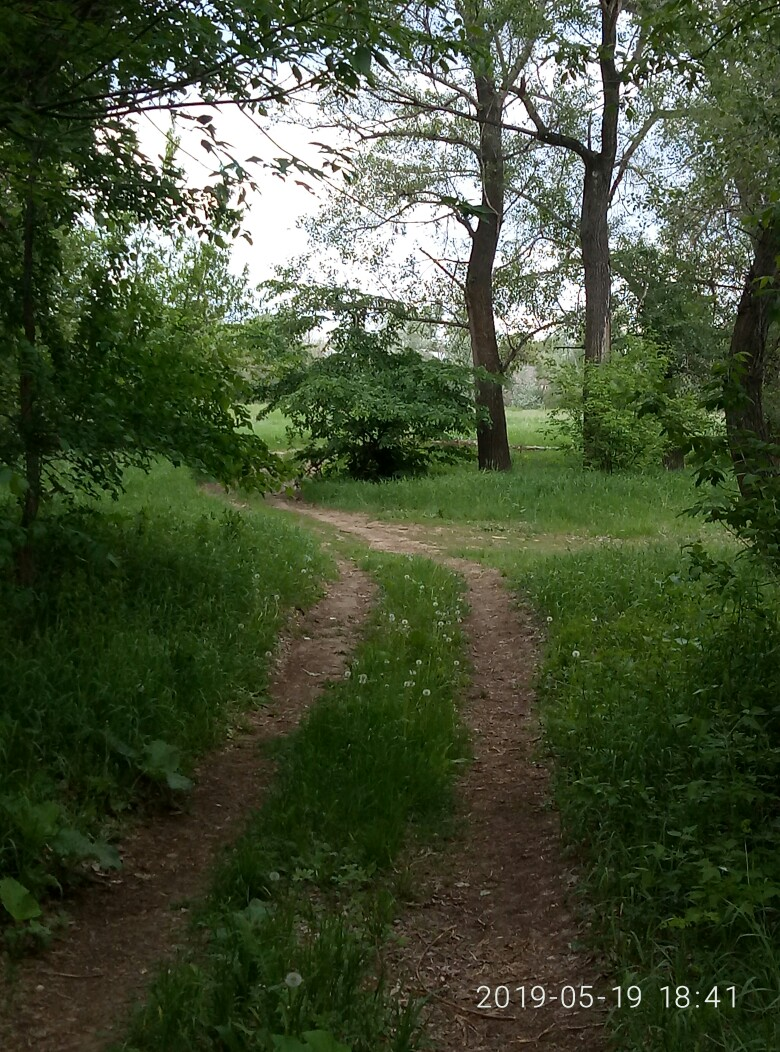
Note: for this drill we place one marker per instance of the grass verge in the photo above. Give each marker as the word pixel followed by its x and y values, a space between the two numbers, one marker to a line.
pixel 150 630
pixel 292 930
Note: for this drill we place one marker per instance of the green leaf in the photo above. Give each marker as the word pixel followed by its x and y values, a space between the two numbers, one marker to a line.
pixel 283 1043
pixel 18 901
pixel 70 843
pixel 177 781
pixel 361 60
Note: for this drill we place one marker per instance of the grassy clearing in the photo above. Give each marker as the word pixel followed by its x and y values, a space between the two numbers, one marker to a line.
pixel 149 635
pixel 528 427
pixel 302 904
pixel 525 427
pixel 272 428
pixel 541 494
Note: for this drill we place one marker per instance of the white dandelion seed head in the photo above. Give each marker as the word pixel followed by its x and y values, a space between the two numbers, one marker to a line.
pixel 293 980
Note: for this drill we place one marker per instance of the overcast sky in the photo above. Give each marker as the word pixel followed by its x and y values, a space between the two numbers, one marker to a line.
pixel 273 212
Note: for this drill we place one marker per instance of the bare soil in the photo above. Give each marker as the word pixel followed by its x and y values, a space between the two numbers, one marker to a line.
pixel 76 996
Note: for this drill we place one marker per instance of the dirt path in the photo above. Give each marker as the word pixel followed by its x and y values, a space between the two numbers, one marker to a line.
pixel 493 911
pixel 73 998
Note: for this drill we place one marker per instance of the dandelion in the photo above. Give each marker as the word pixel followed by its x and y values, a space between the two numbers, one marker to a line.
pixel 456 664
pixel 549 619
pixel 391 618
pixel 418 661
pixel 409 683
pixel 268 654
pixel 405 623
pixel 273 875
pixel 575 653
pixel 293 980
pixel 347 674
pixel 426 693
pixel 362 678
pixel 241 626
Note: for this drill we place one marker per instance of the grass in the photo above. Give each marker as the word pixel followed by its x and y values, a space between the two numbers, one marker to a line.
pixel 659 693
pixel 272 428
pixel 151 632
pixel 542 494
pixel 528 427
pixel 301 905
pixel 525 427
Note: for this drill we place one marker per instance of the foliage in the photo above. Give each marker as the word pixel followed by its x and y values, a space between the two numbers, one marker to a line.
pixel 137 364
pixel 374 409
pixel 71 79
pixel 624 435
pixel 150 642
pixel 299 909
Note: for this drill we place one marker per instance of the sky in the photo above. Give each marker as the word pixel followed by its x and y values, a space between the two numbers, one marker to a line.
pixel 273 213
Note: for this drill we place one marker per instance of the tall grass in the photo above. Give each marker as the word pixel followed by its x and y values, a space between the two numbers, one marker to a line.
pixel 150 631
pixel 300 907
pixel 542 493
pixel 659 691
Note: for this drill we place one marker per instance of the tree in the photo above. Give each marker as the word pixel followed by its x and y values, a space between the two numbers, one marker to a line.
pixel 598 54
pixel 371 406
pixel 72 75
pixel 433 135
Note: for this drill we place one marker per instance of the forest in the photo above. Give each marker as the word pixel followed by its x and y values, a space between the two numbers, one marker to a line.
pixel 390 645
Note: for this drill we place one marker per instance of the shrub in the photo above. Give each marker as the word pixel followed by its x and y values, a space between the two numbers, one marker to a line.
pixel 375 409
pixel 620 391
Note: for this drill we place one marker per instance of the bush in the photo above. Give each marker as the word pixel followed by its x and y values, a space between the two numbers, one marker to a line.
pixel 624 433
pixel 374 409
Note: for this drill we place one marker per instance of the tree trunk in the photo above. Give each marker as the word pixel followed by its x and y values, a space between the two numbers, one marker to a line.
pixel 594 235
pixel 594 232
pixel 745 420
pixel 28 413
pixel 492 440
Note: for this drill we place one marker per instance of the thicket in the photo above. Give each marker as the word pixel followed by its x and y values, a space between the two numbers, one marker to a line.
pixel 373 408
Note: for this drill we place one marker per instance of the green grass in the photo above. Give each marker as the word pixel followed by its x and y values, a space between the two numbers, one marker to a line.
pixel 525 427
pixel 272 428
pixel 150 634
pixel 541 494
pixel 659 690
pixel 301 905
pixel 528 427
pixel 659 693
